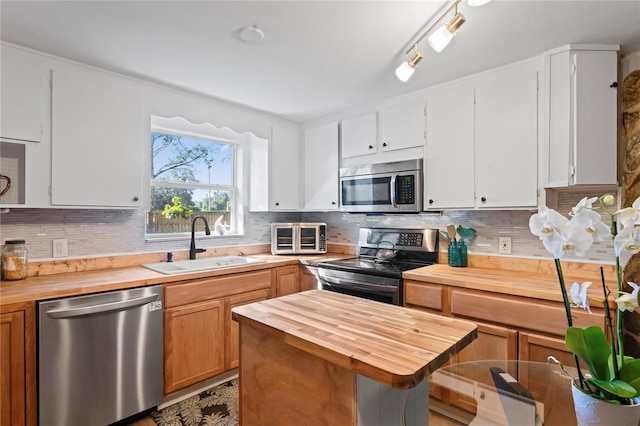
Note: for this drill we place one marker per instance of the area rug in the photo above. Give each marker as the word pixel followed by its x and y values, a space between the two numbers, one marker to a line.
pixel 217 406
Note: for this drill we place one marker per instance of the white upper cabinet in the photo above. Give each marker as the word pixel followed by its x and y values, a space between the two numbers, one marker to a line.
pixel 402 125
pixel 506 138
pixel 285 168
pixel 482 141
pixel 24 87
pixel 321 180
pixel 97 137
pixel 359 135
pixel 580 115
pixel 449 154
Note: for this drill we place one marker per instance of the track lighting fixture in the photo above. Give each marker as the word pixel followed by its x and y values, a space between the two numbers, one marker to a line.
pixel 406 69
pixel 437 39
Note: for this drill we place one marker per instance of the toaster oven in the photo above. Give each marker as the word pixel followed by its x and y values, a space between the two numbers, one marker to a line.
pixel 298 238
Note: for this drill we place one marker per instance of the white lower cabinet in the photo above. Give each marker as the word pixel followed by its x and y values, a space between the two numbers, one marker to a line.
pixel 97 137
pixel 482 141
pixel 321 169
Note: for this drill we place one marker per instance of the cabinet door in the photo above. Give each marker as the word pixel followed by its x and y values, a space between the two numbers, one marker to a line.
pixel 12 369
pixel 449 157
pixel 581 117
pixel 97 139
pixel 359 135
pixel 232 344
pixel 493 342
pixel 285 168
pixel 23 82
pixel 402 125
pixel 286 280
pixel 506 132
pixel 194 344
pixel 321 167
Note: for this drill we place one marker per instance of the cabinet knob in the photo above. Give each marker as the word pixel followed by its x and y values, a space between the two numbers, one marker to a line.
pixel 277 204
pixel 384 144
pixel 614 84
pixel 135 199
pixel 333 203
pixel 370 146
pixel 483 199
pixel 430 201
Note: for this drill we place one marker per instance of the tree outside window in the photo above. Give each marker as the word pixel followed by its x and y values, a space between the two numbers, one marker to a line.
pixel 190 176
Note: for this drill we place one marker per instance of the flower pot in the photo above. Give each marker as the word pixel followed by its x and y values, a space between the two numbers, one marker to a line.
pixel 457 255
pixel 593 411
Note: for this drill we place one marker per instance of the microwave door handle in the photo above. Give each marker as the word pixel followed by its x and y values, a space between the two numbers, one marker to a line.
pixel 393 190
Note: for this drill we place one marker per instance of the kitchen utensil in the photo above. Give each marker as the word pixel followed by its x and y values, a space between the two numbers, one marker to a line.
pixel 385 254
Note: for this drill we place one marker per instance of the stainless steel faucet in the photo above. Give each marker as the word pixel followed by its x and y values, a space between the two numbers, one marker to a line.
pixel 193 250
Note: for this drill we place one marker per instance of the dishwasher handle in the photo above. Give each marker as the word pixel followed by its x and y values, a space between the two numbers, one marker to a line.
pixel 105 307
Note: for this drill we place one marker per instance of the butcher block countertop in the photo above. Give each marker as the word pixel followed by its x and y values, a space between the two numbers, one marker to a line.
pixel 390 344
pixel 109 279
pixel 527 283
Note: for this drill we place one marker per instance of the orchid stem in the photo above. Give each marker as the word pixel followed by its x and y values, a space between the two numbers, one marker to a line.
pixel 607 315
pixel 567 309
pixel 619 314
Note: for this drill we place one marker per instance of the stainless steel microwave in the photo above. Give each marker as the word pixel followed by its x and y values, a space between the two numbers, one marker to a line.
pixel 298 238
pixel 382 188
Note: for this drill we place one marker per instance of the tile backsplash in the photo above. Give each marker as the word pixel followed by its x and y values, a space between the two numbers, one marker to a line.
pixel 96 233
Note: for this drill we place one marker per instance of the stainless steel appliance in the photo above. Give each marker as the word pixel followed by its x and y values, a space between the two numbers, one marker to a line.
pixel 299 238
pixel 99 357
pixel 382 188
pixel 383 255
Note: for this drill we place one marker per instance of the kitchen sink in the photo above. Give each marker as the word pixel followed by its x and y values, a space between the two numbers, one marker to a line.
pixel 205 264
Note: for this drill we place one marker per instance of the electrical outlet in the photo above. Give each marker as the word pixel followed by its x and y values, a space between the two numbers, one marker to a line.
pixel 60 248
pixel 504 244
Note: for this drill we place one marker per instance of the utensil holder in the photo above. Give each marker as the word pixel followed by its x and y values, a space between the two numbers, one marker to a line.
pixel 457 255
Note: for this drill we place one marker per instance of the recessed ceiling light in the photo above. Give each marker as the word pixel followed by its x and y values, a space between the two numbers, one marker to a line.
pixel 250 34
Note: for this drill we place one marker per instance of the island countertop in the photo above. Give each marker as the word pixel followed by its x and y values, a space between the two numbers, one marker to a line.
pixel 392 345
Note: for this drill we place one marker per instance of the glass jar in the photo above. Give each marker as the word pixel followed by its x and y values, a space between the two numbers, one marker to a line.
pixel 15 264
pixel 457 255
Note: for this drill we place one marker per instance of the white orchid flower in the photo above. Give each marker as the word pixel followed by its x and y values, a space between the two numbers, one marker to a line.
pixel 578 295
pixel 628 302
pixel 591 221
pixel 586 204
pixel 546 222
pixel 627 243
pixel 629 214
pixel 569 239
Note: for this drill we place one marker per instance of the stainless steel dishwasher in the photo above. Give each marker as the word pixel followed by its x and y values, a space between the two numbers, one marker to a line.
pixel 99 357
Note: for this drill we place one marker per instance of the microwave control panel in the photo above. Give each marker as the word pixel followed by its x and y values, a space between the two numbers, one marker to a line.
pixel 405 190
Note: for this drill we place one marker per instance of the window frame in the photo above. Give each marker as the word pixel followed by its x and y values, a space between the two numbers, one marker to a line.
pixel 208 133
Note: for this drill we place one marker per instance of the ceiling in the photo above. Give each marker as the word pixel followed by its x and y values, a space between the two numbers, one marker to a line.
pixel 318 57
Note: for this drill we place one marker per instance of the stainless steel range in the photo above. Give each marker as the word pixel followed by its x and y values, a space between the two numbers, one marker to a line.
pixel 383 255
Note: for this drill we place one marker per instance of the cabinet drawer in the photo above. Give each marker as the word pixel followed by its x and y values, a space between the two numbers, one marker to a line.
pixel 215 288
pixel 547 317
pixel 423 295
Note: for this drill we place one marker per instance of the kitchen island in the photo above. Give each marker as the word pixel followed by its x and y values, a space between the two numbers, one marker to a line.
pixel 320 357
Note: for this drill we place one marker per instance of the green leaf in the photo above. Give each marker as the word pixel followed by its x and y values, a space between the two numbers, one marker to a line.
pixel 615 387
pixel 592 347
pixel 630 373
pixel 465 233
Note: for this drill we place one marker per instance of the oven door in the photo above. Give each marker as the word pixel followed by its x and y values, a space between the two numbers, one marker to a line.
pixel 372 287
pixel 384 192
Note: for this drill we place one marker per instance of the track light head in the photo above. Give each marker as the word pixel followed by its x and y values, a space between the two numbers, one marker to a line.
pixel 441 38
pixel 406 69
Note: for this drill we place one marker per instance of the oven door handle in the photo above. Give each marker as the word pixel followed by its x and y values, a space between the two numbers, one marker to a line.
pixel 337 282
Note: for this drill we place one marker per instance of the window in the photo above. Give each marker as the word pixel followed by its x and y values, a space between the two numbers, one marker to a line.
pixel 192 174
